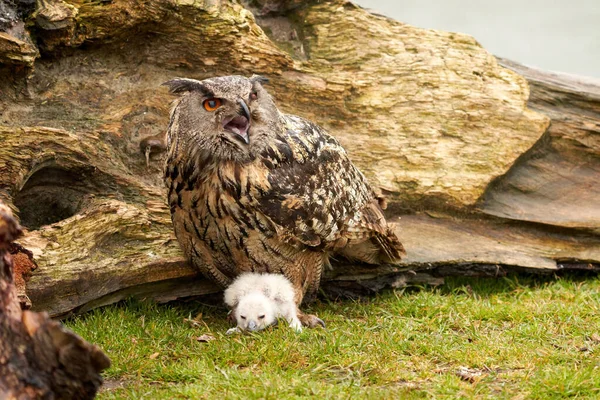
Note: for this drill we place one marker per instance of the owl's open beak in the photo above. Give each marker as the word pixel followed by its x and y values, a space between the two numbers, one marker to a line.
pixel 240 123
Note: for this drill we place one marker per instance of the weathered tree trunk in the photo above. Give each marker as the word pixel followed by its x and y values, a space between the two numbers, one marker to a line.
pixel 39 359
pixel 482 183
pixel 562 170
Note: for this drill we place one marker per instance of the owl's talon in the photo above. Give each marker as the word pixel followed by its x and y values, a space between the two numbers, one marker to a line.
pixel 311 321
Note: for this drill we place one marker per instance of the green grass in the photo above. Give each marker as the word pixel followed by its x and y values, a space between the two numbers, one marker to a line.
pixel 518 338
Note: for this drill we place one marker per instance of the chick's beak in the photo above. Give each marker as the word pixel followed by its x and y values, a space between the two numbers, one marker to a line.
pixel 252 326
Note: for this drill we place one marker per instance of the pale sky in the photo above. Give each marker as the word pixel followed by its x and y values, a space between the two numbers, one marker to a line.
pixel 558 35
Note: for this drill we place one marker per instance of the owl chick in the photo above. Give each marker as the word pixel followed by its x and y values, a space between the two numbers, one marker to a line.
pixel 257 300
pixel 254 190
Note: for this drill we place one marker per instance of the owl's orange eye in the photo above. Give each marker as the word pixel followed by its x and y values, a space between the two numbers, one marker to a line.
pixel 211 104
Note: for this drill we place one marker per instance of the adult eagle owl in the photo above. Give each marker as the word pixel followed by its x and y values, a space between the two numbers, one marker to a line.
pixel 254 190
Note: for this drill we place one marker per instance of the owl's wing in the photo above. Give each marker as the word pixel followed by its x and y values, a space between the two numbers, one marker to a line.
pixel 317 196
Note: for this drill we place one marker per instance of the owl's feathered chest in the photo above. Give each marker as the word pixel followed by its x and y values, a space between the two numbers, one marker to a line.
pixel 215 213
pixel 219 193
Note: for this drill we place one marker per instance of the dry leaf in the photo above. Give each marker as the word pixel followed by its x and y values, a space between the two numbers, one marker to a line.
pixel 193 323
pixel 469 375
pixel 153 356
pixel 204 338
pixel 196 322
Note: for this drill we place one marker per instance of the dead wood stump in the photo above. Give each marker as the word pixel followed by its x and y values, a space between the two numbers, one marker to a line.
pixel 39 358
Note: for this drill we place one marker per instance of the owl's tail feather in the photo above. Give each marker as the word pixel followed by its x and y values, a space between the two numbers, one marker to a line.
pixel 381 248
pixel 393 250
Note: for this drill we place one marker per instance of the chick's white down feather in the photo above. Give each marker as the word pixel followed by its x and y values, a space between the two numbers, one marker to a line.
pixel 270 295
pixel 274 286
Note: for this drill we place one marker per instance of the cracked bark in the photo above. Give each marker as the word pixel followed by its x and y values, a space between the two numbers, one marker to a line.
pixel 38 357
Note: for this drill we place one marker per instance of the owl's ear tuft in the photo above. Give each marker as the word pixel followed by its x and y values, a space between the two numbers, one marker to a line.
pixel 182 85
pixel 259 79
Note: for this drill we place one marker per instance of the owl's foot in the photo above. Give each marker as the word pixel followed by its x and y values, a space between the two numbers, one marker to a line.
pixel 312 321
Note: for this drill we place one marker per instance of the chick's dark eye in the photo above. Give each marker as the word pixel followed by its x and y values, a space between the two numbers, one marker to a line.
pixel 242 317
pixel 261 317
pixel 253 96
pixel 211 104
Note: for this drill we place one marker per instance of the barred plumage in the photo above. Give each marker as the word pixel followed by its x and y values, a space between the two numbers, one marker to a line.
pixel 255 190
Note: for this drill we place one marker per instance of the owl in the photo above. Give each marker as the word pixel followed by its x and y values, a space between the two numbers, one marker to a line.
pixel 252 189
pixel 257 300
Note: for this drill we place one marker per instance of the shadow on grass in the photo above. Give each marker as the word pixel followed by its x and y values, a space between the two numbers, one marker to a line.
pixel 485 286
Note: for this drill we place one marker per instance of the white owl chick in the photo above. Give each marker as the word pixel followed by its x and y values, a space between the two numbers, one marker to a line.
pixel 257 300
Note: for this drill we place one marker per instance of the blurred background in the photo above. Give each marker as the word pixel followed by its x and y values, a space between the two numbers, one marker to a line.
pixel 555 35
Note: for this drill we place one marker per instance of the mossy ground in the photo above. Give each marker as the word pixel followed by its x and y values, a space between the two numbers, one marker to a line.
pixel 517 337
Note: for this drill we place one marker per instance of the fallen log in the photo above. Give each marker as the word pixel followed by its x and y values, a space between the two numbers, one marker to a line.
pixel 39 358
pixel 561 170
pixel 467 156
